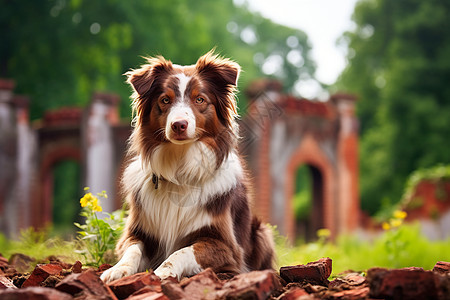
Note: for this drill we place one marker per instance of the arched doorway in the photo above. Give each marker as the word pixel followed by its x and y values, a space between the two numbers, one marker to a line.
pixel 308 202
pixel 323 188
pixel 66 192
pixel 51 161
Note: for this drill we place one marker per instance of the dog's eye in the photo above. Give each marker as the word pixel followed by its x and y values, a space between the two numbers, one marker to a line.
pixel 199 100
pixel 165 100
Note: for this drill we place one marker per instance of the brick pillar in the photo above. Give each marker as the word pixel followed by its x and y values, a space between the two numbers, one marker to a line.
pixel 26 150
pixel 98 138
pixel 8 158
pixel 347 163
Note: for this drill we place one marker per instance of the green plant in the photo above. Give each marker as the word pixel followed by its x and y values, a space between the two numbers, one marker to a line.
pixel 394 243
pixel 98 236
pixel 436 174
pixel 402 246
pixel 39 245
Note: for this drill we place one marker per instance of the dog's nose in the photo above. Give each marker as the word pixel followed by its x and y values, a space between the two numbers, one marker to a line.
pixel 179 126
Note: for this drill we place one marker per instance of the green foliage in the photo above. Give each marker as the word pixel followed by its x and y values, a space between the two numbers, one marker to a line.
pixel 402 247
pixel 98 237
pixel 434 174
pixel 68 49
pixel 65 210
pixel 399 65
pixel 39 245
pixel 303 193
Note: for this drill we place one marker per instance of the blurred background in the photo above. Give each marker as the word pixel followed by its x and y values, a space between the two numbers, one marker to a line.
pixel 356 92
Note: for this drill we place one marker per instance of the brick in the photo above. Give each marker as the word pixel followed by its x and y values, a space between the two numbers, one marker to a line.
pixel 253 285
pixel 5 268
pixel 34 293
pixel 77 267
pixel 314 272
pixel 103 268
pixel 6 283
pixel 349 281
pixel 41 273
pixel 355 294
pixel 55 260
pixel 126 286
pixel 407 283
pixel 88 283
pixel 442 267
pixel 202 285
pixel 3 261
pixel 147 289
pixel 173 290
pixel 149 296
pixel 21 262
pixel 293 293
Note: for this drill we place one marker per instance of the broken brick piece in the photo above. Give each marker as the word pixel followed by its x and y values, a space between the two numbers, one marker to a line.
pixel 56 260
pixel 253 285
pixel 202 284
pixel 442 267
pixel 6 283
pixel 407 283
pixel 41 273
pixel 355 294
pixel 3 261
pixel 149 296
pixel 316 272
pixel 21 262
pixel 88 283
pixel 126 286
pixel 293 293
pixel 173 290
pixel 34 293
pixel 104 267
pixel 76 268
pixel 349 281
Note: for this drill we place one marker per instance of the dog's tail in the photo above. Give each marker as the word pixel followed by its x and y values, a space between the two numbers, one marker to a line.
pixel 262 255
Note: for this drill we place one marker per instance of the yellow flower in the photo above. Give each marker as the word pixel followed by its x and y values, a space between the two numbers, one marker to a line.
pixel 396 222
pixel 90 201
pixel 96 207
pixel 399 214
pixel 86 199
pixel 386 226
pixel 323 233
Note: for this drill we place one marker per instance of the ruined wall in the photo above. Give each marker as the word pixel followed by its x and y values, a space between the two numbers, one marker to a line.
pixel 282 133
pixel 93 136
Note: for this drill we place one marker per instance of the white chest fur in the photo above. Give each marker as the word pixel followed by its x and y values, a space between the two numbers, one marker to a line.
pixel 176 207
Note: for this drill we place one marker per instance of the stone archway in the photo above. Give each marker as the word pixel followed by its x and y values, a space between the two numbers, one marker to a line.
pixel 282 132
pixel 310 154
pixel 43 205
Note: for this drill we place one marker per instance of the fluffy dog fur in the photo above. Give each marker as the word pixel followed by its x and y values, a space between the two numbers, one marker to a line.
pixel 185 185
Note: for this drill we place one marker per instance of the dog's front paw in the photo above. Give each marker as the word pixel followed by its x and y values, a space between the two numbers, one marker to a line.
pixel 165 271
pixel 116 272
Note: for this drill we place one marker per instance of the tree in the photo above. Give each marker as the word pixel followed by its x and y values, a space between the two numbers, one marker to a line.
pixel 60 51
pixel 399 65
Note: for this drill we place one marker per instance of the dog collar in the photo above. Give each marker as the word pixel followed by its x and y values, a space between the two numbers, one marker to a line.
pixel 156 179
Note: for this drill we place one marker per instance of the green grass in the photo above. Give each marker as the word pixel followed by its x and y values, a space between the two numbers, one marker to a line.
pixel 401 247
pixel 398 248
pixel 39 245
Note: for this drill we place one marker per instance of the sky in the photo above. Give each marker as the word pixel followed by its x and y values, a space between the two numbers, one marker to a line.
pixel 324 21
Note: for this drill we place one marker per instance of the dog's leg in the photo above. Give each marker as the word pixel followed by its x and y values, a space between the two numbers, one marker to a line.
pixel 209 253
pixel 132 261
pixel 178 264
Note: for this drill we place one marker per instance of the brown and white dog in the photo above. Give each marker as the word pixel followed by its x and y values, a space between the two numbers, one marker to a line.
pixel 186 185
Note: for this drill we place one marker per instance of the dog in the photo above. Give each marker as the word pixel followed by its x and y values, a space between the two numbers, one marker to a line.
pixel 186 185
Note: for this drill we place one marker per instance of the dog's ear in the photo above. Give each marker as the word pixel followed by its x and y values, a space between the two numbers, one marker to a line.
pixel 144 78
pixel 219 70
pixel 222 75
